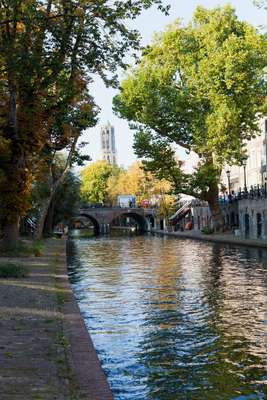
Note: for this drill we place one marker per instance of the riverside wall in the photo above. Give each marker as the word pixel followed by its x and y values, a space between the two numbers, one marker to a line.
pixel 216 238
pixel 84 360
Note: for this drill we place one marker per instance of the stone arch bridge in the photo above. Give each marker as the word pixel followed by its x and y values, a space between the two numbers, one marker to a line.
pixel 103 217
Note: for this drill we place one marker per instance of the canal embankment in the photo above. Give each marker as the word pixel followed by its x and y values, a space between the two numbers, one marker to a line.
pixel 45 349
pixel 224 238
pixel 174 319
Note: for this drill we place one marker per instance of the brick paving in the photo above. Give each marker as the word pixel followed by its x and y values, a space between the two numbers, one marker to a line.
pixel 45 350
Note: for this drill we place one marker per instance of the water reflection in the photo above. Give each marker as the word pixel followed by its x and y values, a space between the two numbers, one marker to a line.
pixel 175 319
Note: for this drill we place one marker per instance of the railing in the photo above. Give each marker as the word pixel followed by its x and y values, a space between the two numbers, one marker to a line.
pixel 254 192
pixel 186 204
pixel 28 225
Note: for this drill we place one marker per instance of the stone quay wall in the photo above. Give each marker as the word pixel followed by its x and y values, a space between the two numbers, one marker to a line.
pixel 246 218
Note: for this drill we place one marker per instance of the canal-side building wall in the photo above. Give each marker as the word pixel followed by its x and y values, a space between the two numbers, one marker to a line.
pixel 255 170
pixel 244 218
pixel 251 211
pixel 247 217
pixel 253 218
pixel 200 216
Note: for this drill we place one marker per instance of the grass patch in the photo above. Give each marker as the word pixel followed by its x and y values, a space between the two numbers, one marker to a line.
pixel 207 230
pixel 23 249
pixel 8 355
pixel 62 341
pixel 38 248
pixel 10 270
pixel 60 298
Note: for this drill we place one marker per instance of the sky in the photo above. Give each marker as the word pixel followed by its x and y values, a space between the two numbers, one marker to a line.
pixel 148 23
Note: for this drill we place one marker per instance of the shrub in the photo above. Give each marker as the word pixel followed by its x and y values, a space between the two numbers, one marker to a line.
pixel 23 249
pixel 207 230
pixel 38 248
pixel 10 270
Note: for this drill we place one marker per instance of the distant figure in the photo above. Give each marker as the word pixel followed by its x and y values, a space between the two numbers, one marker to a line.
pixel 59 230
pixel 130 203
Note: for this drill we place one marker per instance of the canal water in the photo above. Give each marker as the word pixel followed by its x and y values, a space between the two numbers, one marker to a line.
pixel 174 319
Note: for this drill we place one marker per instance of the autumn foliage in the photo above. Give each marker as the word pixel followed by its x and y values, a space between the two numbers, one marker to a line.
pixel 49 51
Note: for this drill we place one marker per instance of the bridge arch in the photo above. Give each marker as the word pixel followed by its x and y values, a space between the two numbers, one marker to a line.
pixel 94 221
pixel 140 220
pixel 150 218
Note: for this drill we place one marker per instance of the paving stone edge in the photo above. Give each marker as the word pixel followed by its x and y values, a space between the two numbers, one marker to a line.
pixel 215 238
pixel 84 361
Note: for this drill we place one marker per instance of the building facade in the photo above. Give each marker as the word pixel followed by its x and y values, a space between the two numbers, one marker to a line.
pixel 108 147
pixel 254 170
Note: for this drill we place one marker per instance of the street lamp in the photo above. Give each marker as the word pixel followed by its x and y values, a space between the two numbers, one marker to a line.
pixel 228 173
pixel 244 163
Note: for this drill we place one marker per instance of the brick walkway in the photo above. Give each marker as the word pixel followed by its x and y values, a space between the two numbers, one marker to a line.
pixel 45 351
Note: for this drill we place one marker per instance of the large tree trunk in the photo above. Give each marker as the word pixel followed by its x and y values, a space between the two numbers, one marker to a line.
pixel 217 217
pixel 46 208
pixel 41 220
pixel 11 234
pixel 54 186
pixel 14 199
pixel 48 227
pixel 216 212
pixel 46 205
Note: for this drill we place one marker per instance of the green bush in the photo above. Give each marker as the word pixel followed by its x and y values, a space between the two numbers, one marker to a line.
pixel 207 230
pixel 23 249
pixel 38 248
pixel 10 270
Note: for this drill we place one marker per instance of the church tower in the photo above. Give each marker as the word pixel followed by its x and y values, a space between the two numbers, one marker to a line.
pixel 108 148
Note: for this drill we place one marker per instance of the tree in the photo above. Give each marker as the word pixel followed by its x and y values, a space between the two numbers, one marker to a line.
pixel 49 51
pixel 137 182
pixel 53 174
pixel 72 120
pixel 132 181
pixel 160 159
pixel 65 202
pixel 203 88
pixel 260 3
pixel 94 181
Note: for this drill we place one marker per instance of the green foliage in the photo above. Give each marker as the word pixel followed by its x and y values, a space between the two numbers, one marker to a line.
pixel 204 177
pixel 50 169
pixel 10 270
pixel 207 230
pixel 94 181
pixel 38 248
pixel 202 87
pixel 260 3
pixel 23 249
pixel 49 51
pixel 67 198
pixel 159 158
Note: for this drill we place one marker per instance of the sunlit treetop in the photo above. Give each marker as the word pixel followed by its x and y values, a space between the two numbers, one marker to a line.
pixel 202 86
